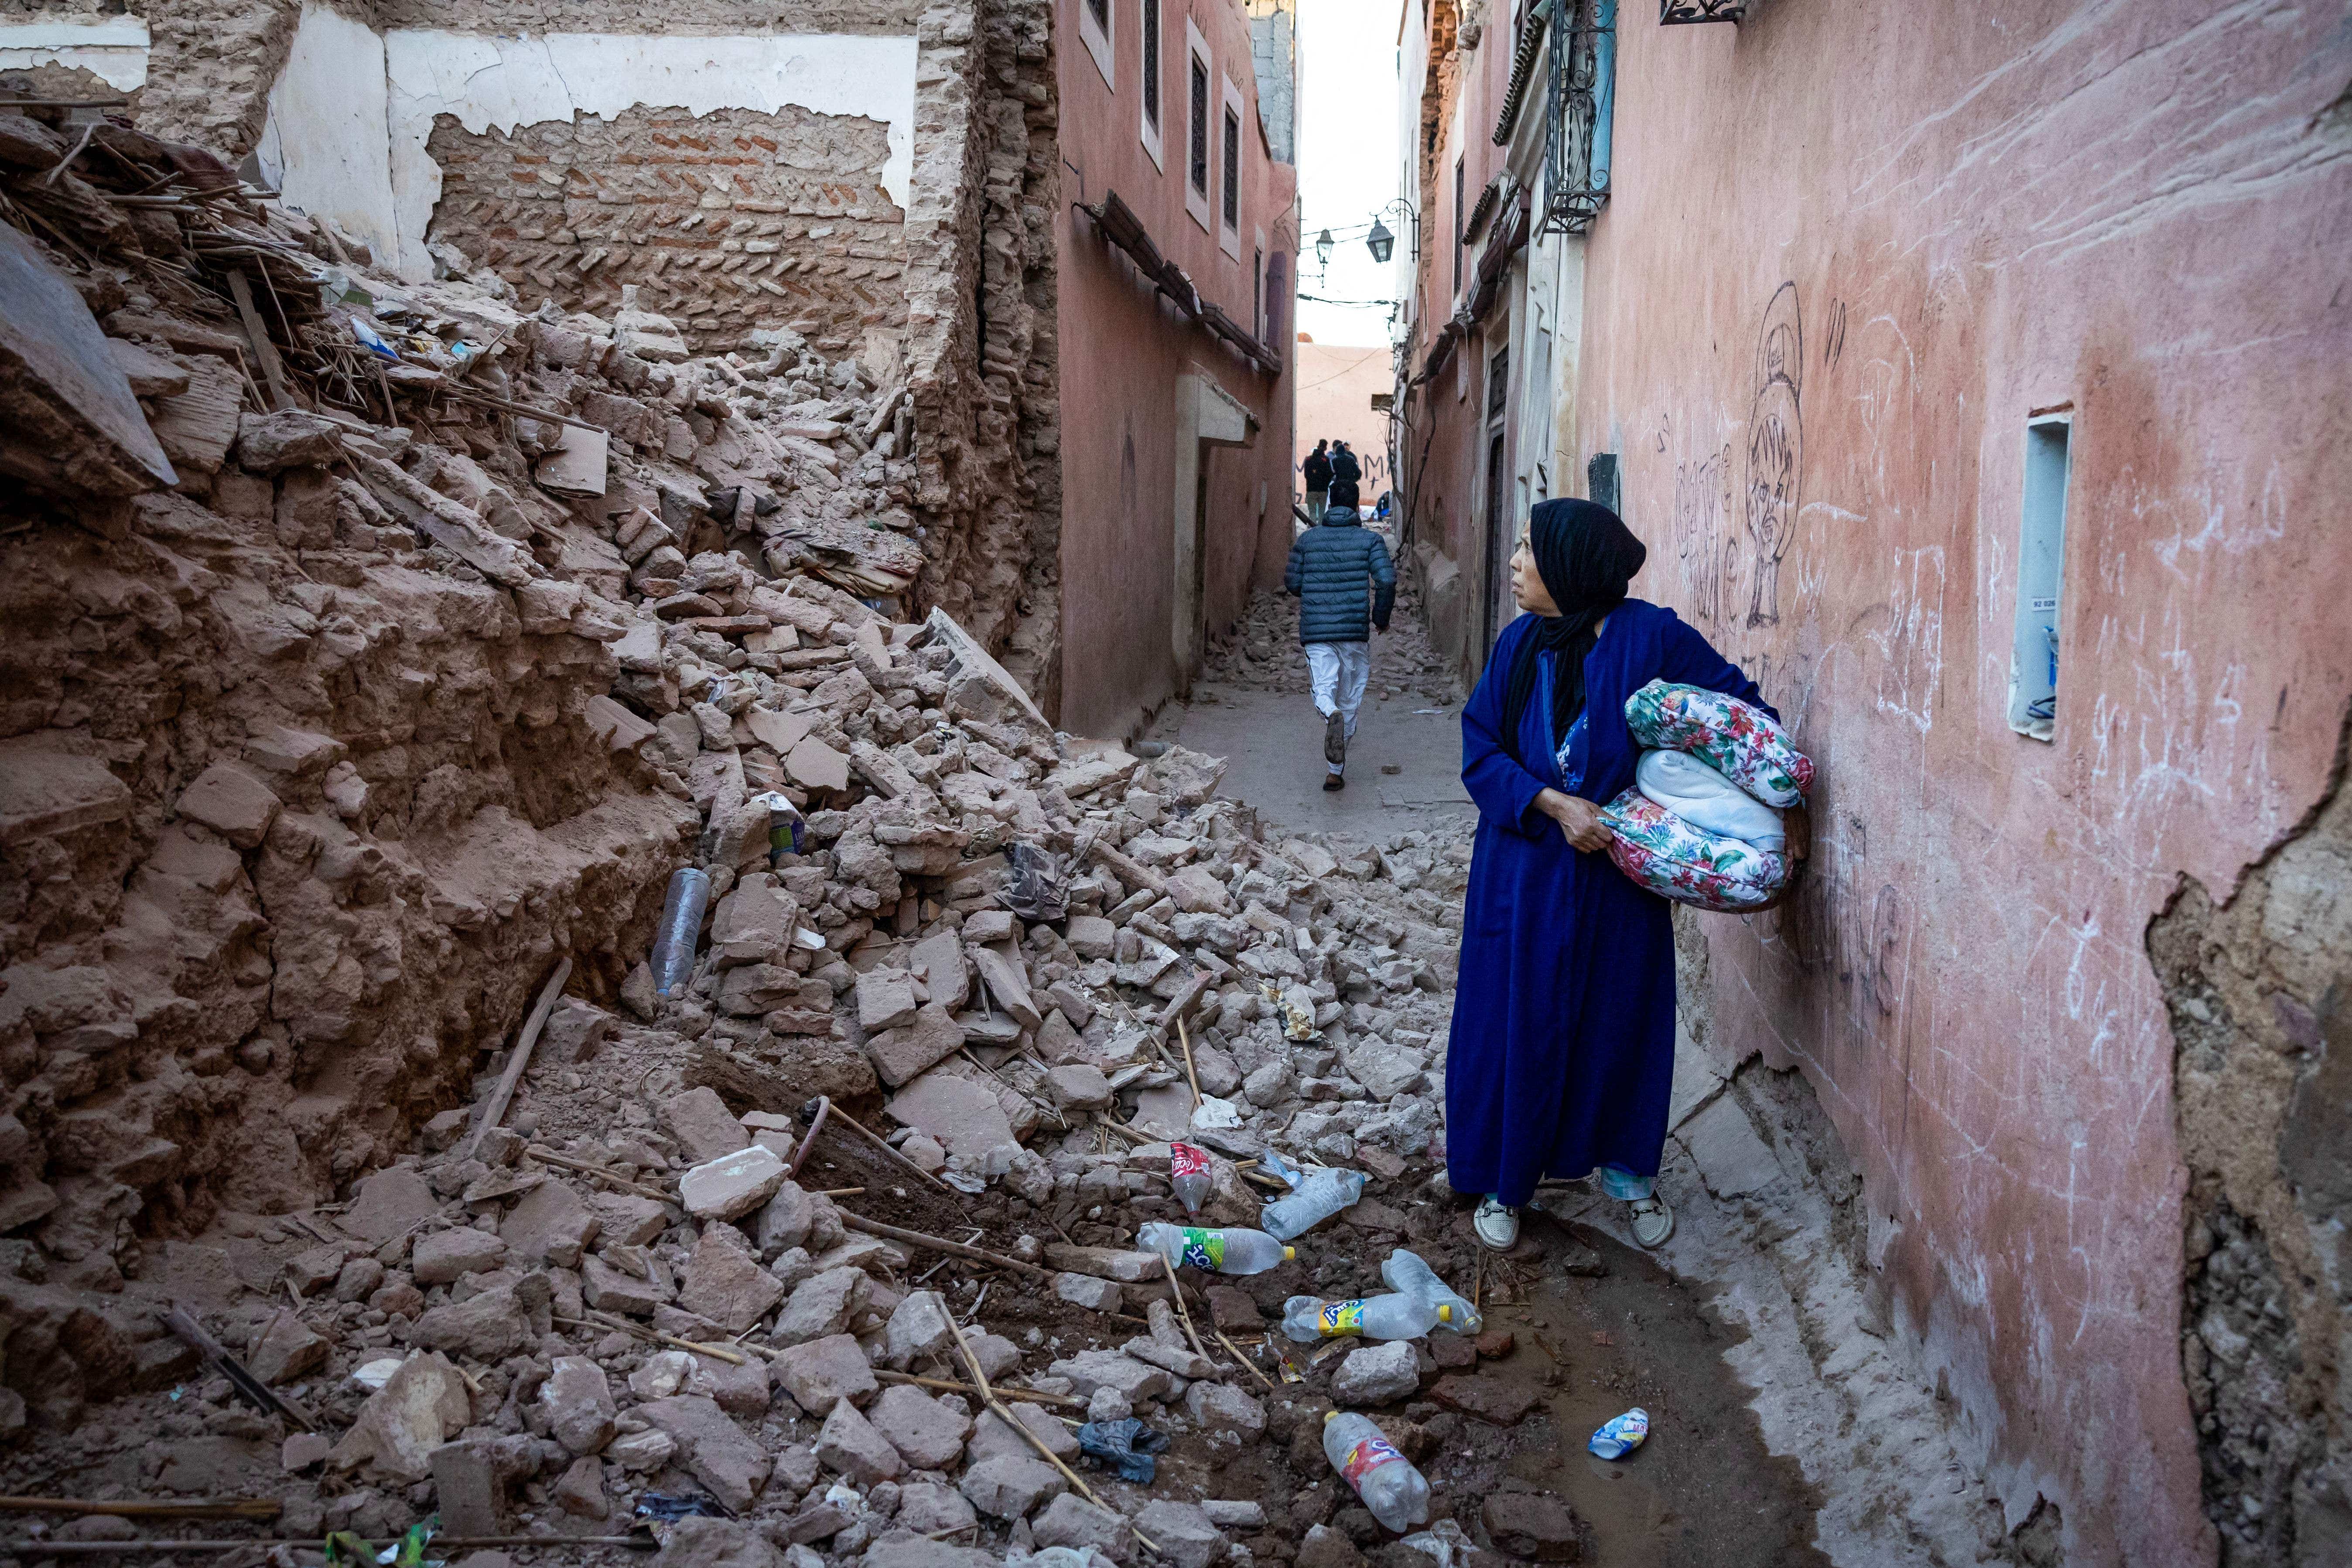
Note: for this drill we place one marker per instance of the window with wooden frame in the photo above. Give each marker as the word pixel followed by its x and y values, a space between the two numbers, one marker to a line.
pixel 1198 73
pixel 1460 168
pixel 1150 55
pixel 1095 32
pixel 1230 166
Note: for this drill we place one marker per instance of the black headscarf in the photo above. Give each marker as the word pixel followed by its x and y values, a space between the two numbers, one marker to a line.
pixel 1585 555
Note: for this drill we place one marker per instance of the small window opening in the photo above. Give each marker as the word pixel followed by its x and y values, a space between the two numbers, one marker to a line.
pixel 1458 167
pixel 1498 382
pixel 1600 480
pixel 1257 295
pixel 1151 62
pixel 1199 136
pixel 1232 169
pixel 2041 564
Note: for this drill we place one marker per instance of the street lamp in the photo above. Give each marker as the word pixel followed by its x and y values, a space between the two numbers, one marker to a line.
pixel 1323 247
pixel 1381 241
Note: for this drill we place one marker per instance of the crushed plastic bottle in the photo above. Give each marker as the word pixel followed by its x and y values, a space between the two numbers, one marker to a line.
pixel 1621 1435
pixel 1320 1196
pixel 786 829
pixel 1272 1162
pixel 1406 1272
pixel 1308 1319
pixel 1395 1492
pixel 1188 1170
pixel 680 930
pixel 1232 1251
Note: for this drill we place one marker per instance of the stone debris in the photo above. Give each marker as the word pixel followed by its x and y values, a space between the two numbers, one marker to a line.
pixel 498 677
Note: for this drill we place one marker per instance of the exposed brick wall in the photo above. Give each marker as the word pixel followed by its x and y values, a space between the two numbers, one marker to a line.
pixel 981 343
pixel 728 221
pixel 210 69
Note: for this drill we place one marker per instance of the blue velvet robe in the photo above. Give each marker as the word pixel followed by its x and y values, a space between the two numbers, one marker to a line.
pixel 1562 1051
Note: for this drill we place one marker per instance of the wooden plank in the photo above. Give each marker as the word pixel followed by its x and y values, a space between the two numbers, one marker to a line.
pixel 265 352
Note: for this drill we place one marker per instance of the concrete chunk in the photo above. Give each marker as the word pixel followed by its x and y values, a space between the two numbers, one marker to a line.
pixel 733 1185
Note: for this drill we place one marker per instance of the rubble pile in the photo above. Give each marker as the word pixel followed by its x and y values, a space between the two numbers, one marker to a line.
pixel 386 650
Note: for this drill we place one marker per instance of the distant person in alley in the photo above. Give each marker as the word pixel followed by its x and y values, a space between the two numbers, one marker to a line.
pixel 1318 475
pixel 1562 1054
pixel 1346 585
pixel 1347 477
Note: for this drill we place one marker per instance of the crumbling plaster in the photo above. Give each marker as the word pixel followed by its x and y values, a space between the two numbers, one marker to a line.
pixel 112 48
pixel 344 86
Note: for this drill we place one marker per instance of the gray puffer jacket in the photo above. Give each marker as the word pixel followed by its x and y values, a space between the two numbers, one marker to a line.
pixel 1330 565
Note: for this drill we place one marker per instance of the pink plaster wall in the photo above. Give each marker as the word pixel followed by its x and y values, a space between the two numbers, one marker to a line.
pixel 2143 210
pixel 1446 437
pixel 1123 349
pixel 1336 382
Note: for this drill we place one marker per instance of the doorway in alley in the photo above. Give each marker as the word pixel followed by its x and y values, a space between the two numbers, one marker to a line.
pixel 1499 607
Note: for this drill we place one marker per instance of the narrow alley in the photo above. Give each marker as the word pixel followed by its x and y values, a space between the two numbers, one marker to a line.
pixel 689 869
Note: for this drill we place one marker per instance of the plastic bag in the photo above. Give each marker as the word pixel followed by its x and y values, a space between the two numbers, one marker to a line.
pixel 1127 1445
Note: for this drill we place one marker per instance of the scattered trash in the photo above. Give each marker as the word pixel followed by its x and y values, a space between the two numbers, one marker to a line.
pixel 659 1511
pixel 680 930
pixel 1230 1250
pixel 1188 1170
pixel 1621 1435
pixel 1127 1446
pixel 1444 1544
pixel 374 341
pixel 1406 1272
pixel 1037 889
pixel 1317 1199
pixel 1385 1479
pixel 1308 1319
pixel 787 831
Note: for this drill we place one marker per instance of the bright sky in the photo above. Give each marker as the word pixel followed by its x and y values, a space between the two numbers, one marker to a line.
pixel 1346 160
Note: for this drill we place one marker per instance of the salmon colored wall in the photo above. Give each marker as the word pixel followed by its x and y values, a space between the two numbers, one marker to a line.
pixel 1123 349
pixel 1448 432
pixel 2142 211
pixel 1336 382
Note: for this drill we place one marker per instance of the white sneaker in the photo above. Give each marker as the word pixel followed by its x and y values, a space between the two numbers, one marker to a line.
pixel 1653 1221
pixel 1496 1225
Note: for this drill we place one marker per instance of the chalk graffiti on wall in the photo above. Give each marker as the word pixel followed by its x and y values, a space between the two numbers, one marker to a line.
pixel 1775 449
pixel 1708 556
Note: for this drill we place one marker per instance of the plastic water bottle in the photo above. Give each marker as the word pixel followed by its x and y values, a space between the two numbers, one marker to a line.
pixel 1395 1492
pixel 1308 1318
pixel 1320 1196
pixel 1405 1271
pixel 680 930
pixel 1229 1251
pixel 1188 1170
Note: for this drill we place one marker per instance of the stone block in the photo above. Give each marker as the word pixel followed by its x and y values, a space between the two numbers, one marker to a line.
pixel 850 1446
pixel 1183 1532
pixel 821 1374
pixel 732 1185
pixel 1377 1374
pixel 1087 1290
pixel 822 1306
pixel 1009 1485
pixel 445 1256
pixel 1072 1521
pixel 553 1223
pixel 927 1432
pixel 713 1448
pixel 577 1403
pixel 929 1035
pixel 724 1283
pixel 704 1129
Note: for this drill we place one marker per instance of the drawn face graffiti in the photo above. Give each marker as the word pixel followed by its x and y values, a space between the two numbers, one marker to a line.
pixel 1775 449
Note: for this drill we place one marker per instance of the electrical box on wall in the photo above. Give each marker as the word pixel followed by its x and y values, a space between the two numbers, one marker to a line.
pixel 2041 568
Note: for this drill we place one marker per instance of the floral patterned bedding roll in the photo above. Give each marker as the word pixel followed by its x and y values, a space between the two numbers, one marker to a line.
pixel 1668 856
pixel 1737 739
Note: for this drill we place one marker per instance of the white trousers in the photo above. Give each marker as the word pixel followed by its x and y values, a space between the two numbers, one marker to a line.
pixel 1339 670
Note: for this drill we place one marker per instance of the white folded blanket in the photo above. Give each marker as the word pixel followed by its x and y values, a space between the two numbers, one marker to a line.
pixel 1705 799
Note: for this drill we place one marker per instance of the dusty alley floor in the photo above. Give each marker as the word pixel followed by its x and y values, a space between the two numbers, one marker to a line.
pixel 1789 1426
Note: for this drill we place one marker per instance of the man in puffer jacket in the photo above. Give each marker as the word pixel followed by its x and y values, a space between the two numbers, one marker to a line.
pixel 1331 567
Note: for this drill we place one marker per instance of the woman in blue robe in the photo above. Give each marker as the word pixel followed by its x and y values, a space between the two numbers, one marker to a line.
pixel 1563 1053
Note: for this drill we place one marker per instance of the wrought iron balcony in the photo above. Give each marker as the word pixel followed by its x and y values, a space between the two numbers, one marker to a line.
pixel 1671 11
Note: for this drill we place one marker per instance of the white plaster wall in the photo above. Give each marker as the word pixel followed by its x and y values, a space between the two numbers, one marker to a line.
pixel 350 118
pixel 510 82
pixel 325 144
pixel 112 48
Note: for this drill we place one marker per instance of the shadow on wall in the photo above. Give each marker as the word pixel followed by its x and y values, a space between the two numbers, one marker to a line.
pixel 2259 988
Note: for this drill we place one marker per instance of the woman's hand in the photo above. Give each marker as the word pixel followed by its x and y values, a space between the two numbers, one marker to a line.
pixel 1798 824
pixel 1579 820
